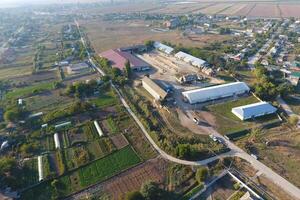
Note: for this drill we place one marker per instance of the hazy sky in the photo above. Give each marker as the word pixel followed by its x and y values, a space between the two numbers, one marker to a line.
pixel 14 2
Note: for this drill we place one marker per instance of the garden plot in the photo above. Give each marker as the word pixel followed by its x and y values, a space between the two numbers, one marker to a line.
pixel 119 141
pixel 30 174
pixel 134 178
pixel 108 166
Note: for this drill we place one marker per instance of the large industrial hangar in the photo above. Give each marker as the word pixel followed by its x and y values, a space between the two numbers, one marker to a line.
pixel 215 92
pixel 253 110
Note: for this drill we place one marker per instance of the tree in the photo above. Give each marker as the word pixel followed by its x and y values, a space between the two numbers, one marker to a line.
pixel 293 120
pixel 201 174
pixel 149 44
pixel 285 89
pixel 151 191
pixel 127 69
pixel 135 195
pixel 116 72
pixel 183 150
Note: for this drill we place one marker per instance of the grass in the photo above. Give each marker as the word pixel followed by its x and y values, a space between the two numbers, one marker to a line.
pixel 194 191
pixel 105 100
pixel 226 121
pixel 22 92
pixel 108 166
pixel 112 125
pixel 293 103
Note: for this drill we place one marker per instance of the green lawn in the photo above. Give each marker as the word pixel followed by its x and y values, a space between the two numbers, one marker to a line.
pixel 108 166
pixel 105 99
pixel 226 121
pixel 22 92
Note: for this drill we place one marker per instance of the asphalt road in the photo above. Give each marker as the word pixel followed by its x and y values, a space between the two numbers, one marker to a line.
pixel 235 150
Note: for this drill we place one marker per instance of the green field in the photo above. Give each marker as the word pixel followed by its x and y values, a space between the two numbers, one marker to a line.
pixel 226 121
pixel 106 99
pixel 22 92
pixel 108 166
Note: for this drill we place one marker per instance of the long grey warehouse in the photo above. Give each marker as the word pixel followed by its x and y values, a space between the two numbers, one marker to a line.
pixel 215 92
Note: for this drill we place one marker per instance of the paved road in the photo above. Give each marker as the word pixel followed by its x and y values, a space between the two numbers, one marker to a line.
pixel 235 150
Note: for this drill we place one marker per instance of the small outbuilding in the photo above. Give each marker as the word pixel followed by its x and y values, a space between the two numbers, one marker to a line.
pixel 56 141
pixel 99 130
pixel 155 90
pixel 40 168
pixel 164 48
pixel 253 110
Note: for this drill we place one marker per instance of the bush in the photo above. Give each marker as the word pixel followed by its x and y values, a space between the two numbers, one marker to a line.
pixel 293 120
pixel 201 174
pixel 136 195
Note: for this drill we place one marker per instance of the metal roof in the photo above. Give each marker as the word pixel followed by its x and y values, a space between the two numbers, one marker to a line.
pixel 216 92
pixel 163 47
pixel 156 88
pixel 191 59
pixel 119 58
pixel 253 110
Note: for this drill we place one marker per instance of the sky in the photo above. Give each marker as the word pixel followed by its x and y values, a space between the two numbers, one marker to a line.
pixel 20 2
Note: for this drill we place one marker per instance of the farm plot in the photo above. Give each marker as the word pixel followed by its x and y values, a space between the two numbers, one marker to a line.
pixel 265 10
pixel 133 179
pixel 245 10
pixel 233 9
pixel 77 136
pixel 30 174
pixel 108 166
pixel 47 101
pixel 216 8
pixel 182 8
pixel 36 77
pixel 30 90
pixel 90 131
pixel 119 141
pixel 290 10
pixel 111 125
pixel 47 143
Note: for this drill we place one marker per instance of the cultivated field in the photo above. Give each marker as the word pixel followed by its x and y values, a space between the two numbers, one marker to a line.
pixel 264 10
pixel 215 9
pixel 290 10
pixel 105 35
pixel 233 9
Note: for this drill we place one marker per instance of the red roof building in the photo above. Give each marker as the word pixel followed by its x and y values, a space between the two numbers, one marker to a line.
pixel 118 59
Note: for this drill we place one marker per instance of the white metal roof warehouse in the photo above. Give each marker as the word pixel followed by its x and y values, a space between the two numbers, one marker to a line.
pixel 215 92
pixel 253 110
pixel 162 47
pixel 190 59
